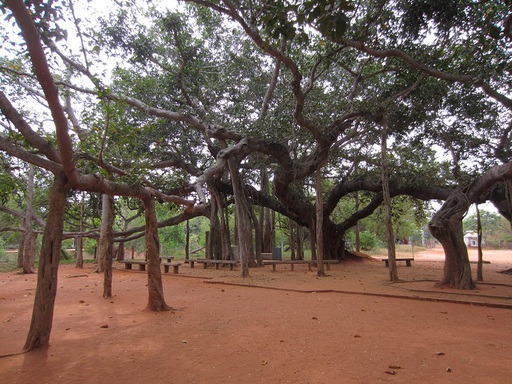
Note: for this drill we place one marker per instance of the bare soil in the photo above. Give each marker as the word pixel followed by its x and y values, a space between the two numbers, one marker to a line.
pixel 352 326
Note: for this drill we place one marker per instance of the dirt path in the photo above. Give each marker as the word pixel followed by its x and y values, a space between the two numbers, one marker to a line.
pixel 275 327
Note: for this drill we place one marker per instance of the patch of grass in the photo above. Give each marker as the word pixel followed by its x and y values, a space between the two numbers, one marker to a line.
pixel 404 250
pixel 8 267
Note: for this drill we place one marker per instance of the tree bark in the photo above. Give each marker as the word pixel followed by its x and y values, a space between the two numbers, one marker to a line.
pixel 300 242
pixel 291 236
pixel 319 223
pixel 156 301
pixel 120 251
pixel 42 315
pixel 214 246
pixel 393 273
pixel 243 221
pixel 79 254
pixel 258 237
pixel 446 226
pixel 479 267
pixel 187 240
pixel 21 250
pixel 357 227
pixel 29 253
pixel 106 242
pixel 334 243
pixel 268 218
pixel 312 236
pixel 29 243
pixel 79 243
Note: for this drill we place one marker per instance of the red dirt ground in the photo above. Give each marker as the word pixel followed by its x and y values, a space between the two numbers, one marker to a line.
pixel 275 327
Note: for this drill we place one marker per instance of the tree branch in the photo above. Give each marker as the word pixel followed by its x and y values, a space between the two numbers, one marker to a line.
pixel 42 71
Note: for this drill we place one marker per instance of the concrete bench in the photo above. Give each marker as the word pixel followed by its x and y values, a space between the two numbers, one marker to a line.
pixel 167 258
pixel 327 263
pixel 130 262
pixel 207 262
pixel 168 265
pixel 292 263
pixel 408 261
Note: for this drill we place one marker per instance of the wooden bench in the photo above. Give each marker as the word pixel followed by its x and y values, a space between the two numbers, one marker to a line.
pixel 408 261
pixel 130 262
pixel 292 263
pixel 207 262
pixel 175 267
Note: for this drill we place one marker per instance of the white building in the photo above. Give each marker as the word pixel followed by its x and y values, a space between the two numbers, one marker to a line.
pixel 471 239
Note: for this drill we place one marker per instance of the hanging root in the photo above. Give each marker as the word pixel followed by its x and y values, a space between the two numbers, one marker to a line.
pixel 508 195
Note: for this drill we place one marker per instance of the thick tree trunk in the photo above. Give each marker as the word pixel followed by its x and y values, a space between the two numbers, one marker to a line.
pixel 446 226
pixel 214 244
pixel 243 221
pixel 223 225
pixel 156 301
pixel 334 244
pixel 42 315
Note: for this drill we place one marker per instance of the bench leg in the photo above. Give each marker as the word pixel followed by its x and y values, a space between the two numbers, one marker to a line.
pixel 309 267
pixel 408 263
pixel 191 264
pixel 231 266
pixel 387 263
pixel 205 265
pixel 273 267
pixel 142 267
pixel 292 266
pixel 217 265
pixel 175 268
pixel 328 266
pixel 128 266
pixel 166 269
